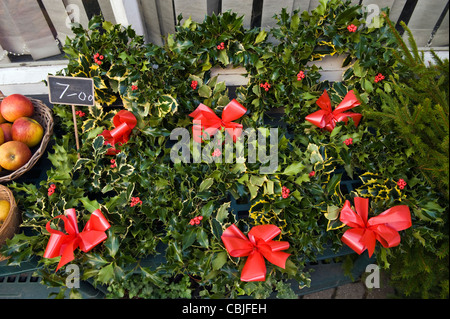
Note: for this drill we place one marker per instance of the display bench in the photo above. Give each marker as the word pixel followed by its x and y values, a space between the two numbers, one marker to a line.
pixel 22 281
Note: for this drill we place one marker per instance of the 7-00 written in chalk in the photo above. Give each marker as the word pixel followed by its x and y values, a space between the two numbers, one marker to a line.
pixel 71 90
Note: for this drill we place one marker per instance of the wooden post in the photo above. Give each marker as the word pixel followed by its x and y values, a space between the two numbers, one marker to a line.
pixel 77 142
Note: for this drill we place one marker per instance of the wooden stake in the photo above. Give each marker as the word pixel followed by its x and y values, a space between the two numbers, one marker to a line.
pixel 76 130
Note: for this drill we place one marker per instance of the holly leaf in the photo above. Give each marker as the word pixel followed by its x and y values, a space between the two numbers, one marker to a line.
pixel 90 205
pixel 106 274
pixel 220 260
pixel 204 91
pixel 222 213
pixel 261 36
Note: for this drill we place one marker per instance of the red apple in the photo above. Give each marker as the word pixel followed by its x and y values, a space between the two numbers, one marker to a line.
pixel 16 105
pixel 13 155
pixel 27 130
pixel 6 128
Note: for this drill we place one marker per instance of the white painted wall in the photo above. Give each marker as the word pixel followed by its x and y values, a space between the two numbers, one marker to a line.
pixel 26 78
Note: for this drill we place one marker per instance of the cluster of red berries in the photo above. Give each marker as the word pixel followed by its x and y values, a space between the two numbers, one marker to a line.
pixel 266 86
pixel 80 113
pixel 98 58
pixel 379 77
pixel 113 163
pixel 285 192
pixel 312 173
pixel 352 28
pixel 194 85
pixel 401 183
pixel 216 153
pixel 300 76
pixel 135 201
pixel 51 189
pixel 134 87
pixel 196 220
pixel 221 46
pixel 348 141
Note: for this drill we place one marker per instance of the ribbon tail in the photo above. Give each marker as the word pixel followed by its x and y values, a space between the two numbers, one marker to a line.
pixel 369 240
pixel 254 268
pixel 234 131
pixel 67 255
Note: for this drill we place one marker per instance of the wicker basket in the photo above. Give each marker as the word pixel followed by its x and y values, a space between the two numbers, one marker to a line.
pixel 43 115
pixel 12 222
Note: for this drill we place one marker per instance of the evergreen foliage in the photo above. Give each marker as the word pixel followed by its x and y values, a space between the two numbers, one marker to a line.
pixel 417 109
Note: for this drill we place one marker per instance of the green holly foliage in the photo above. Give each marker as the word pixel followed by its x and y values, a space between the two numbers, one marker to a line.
pixel 152 249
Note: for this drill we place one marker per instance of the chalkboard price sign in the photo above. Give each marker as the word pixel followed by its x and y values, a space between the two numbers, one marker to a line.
pixel 70 90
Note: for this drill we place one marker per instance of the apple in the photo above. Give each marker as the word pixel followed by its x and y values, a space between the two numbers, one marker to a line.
pixel 27 130
pixel 2 138
pixel 13 155
pixel 6 128
pixel 16 105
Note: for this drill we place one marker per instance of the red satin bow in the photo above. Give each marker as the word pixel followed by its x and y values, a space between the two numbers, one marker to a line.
pixel 124 122
pixel 258 246
pixel 326 118
pixel 206 121
pixel 61 244
pixel 384 227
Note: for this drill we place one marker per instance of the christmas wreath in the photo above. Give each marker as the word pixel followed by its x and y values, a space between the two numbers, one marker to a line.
pixel 168 220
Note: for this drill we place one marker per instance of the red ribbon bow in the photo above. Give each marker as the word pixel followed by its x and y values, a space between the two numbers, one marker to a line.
pixel 384 227
pixel 124 122
pixel 206 121
pixel 61 244
pixel 258 246
pixel 327 118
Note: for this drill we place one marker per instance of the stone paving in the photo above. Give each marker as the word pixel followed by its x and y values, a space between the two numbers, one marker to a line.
pixel 355 290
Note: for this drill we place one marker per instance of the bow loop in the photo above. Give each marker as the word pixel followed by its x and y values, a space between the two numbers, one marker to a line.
pixel 207 123
pixel 124 122
pixel 61 244
pixel 257 246
pixel 364 232
pixel 327 118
